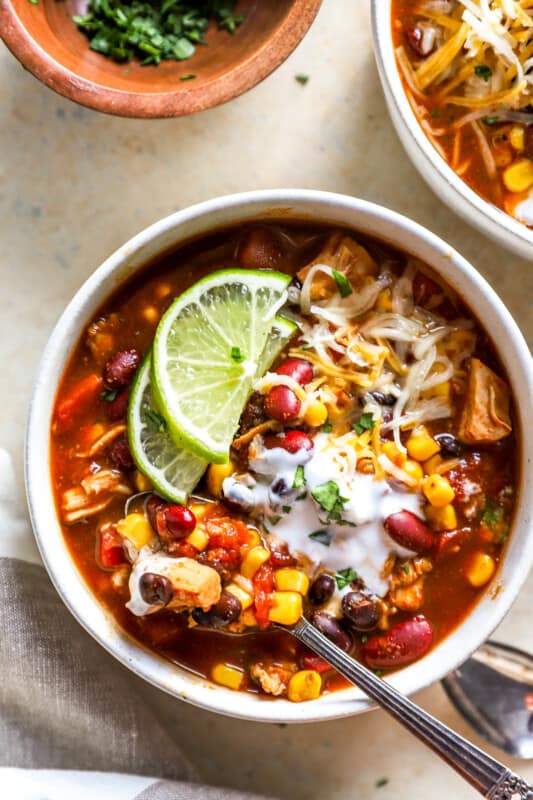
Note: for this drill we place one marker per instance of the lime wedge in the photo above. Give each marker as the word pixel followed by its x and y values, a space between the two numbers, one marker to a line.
pixel 174 471
pixel 206 353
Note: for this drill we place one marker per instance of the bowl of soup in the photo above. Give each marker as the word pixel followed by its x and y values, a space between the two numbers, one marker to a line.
pixel 371 476
pixel 456 81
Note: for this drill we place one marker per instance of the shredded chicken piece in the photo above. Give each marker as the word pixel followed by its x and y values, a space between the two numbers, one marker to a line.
pixel 485 417
pixel 105 480
pixel 344 254
pixel 103 441
pixel 273 678
pixel 78 502
pixel 85 512
pixel 409 598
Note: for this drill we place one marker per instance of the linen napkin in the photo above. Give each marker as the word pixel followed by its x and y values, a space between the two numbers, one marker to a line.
pixel 73 723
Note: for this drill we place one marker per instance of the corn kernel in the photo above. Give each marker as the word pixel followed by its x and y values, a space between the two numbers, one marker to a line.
pixel 431 464
pixel 254 539
pixel 480 569
pixel 198 509
pixel 216 474
pixel 413 469
pixel 316 414
pixel 231 677
pixel 253 559
pixel 438 490
pixel 442 390
pixel 162 290
pixel 384 301
pixel 151 314
pixel 421 446
pixel 304 685
pixel 198 538
pixel 443 519
pixel 289 579
pixel 248 618
pixel 287 608
pixel 137 529
pixel 245 599
pixel 393 453
pixel 142 484
pixel 519 176
pixel 517 138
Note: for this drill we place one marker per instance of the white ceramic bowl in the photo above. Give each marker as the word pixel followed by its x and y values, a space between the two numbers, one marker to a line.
pixel 446 184
pixel 169 232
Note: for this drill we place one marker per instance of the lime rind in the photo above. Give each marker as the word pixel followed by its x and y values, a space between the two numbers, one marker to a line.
pixel 200 389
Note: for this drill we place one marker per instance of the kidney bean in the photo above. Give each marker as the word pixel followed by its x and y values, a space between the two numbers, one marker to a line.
pixel 156 590
pixel 175 522
pixel 111 550
pixel 409 531
pixel 280 556
pixel 528 141
pixel 120 454
pixel 331 627
pixel 362 612
pixel 321 589
pixel 227 610
pixel 121 367
pixel 117 408
pixel 405 642
pixel 415 38
pixel 282 404
pixel 152 506
pixel 449 445
pixel 263 248
pixel 297 368
pixel 291 441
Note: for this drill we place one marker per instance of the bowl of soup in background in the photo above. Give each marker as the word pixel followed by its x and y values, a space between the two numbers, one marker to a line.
pixel 445 182
pixel 307 206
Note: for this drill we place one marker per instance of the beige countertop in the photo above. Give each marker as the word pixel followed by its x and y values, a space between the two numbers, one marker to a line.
pixel 75 184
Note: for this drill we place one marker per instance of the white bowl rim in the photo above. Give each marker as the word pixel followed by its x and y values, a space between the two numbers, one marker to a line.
pixel 463 200
pixel 77 596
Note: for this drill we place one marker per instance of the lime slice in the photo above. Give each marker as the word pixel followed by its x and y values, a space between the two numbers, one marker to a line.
pixel 206 353
pixel 174 471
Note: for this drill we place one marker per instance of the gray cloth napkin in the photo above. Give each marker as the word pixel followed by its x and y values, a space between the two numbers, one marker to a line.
pixel 67 704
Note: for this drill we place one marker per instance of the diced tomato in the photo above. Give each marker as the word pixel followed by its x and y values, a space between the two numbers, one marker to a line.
pixel 77 400
pixel 315 662
pixel 227 533
pixel 449 542
pixel 111 550
pixel 263 582
pixel 183 549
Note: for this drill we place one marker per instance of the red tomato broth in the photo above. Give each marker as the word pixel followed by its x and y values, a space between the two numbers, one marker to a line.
pixel 448 596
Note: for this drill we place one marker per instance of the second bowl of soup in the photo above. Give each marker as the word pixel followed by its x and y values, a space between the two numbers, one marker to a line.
pixel 276 404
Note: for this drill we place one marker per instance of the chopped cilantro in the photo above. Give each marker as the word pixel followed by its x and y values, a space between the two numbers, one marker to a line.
pixel 343 284
pixel 406 568
pixel 299 477
pixel 378 672
pixel 328 497
pixel 491 120
pixel 365 423
pixel 483 71
pixel 189 77
pixel 491 514
pixel 108 395
pixel 274 519
pixel 327 427
pixel 364 639
pixel 435 114
pixel 236 355
pixel 345 577
pixel 322 536
pixel 286 509
pixel 302 78
pixel 155 421
pixel 381 782
pixel 301 496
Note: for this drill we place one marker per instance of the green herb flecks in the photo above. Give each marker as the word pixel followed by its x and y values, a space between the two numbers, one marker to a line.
pixel 188 77
pixel 435 113
pixel 236 355
pixel 154 421
pixel 328 497
pixel 323 536
pixel 274 519
pixel 152 31
pixel 343 284
pixel 483 71
pixel 299 478
pixel 286 509
pixel 493 517
pixel 344 577
pixel 302 78
pixel 109 395
pixel 327 427
pixel 365 423
pixel 490 120
pixel 381 782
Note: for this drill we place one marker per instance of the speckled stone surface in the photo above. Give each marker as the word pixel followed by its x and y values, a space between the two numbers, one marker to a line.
pixel 75 184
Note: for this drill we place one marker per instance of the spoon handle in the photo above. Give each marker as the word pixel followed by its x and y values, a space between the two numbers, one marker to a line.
pixel 491 778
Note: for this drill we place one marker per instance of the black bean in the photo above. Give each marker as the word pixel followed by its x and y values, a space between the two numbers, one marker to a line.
pixel 223 571
pixel 383 399
pixel 121 367
pixel 280 487
pixel 449 445
pixel 120 454
pixel 362 612
pixel 156 590
pixel 331 627
pixel 321 589
pixel 227 610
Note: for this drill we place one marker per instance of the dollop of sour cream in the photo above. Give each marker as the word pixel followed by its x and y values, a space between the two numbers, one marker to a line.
pixel 523 211
pixel 355 538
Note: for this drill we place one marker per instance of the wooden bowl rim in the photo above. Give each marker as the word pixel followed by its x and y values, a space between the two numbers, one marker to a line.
pixel 220 89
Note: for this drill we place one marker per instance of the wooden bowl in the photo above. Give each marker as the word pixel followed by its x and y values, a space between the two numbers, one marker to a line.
pixel 48 44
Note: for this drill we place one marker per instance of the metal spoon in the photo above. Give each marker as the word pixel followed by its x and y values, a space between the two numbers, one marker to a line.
pixel 491 778
pixel 493 690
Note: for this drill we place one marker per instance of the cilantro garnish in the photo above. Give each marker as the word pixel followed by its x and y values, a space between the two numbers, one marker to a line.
pixel 491 514
pixel 491 120
pixel 327 427
pixel 365 423
pixel 483 71
pixel 302 78
pixel 188 77
pixel 236 355
pixel 274 519
pixel 343 284
pixel 406 568
pixel 328 497
pixel 345 577
pixel 286 509
pixel 155 421
pixel 435 113
pixel 322 536
pixel 109 395
pixel 299 477
pixel 301 496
